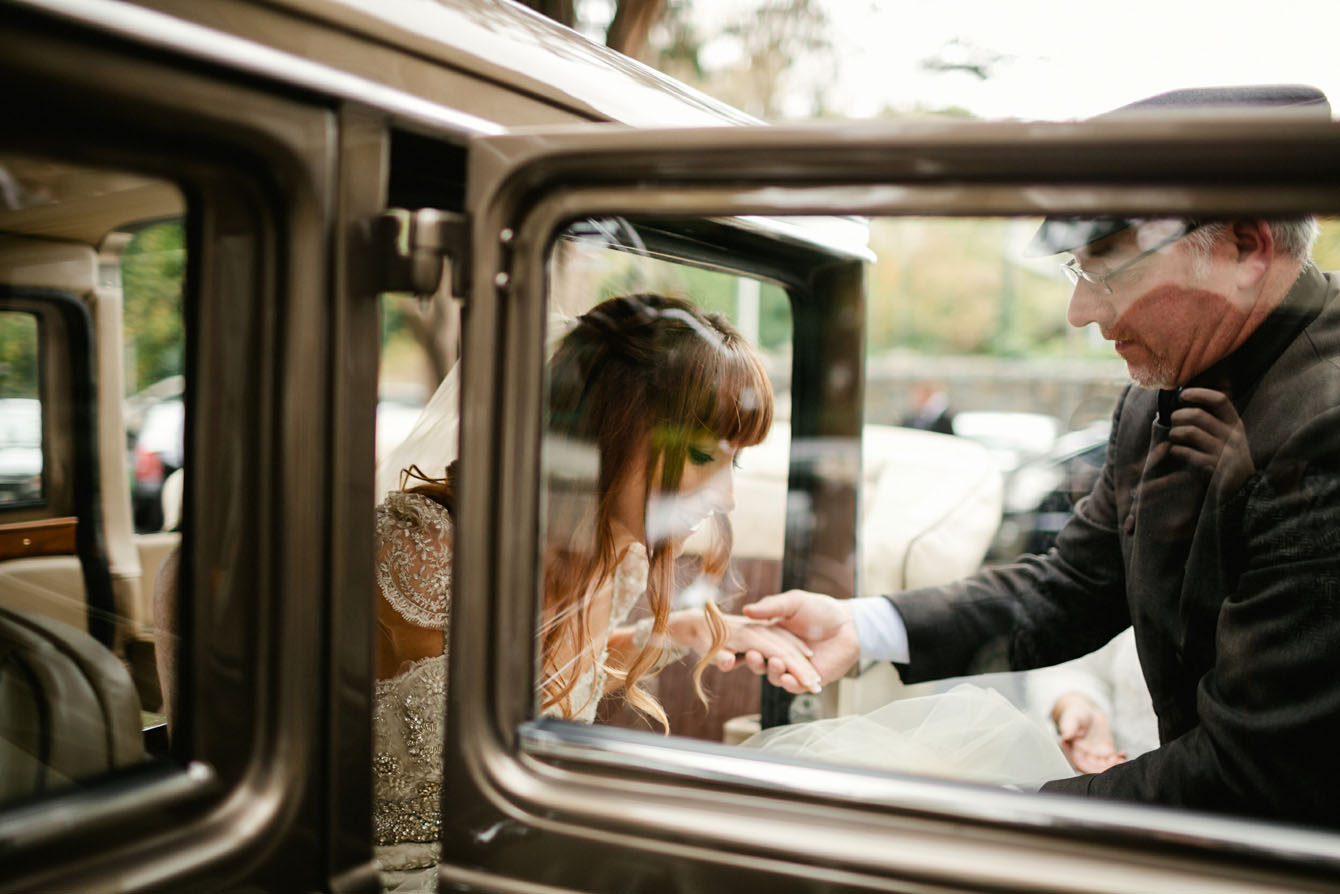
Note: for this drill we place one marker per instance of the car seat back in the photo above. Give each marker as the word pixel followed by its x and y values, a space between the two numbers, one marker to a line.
pixel 68 708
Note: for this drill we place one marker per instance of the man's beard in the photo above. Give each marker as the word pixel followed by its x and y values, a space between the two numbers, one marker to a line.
pixel 1156 374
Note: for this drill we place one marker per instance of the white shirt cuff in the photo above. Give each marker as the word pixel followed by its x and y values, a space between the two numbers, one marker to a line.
pixel 880 630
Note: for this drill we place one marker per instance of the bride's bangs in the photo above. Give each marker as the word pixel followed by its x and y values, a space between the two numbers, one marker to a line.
pixel 742 411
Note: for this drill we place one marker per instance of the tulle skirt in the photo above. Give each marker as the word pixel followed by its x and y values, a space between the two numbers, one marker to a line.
pixel 968 733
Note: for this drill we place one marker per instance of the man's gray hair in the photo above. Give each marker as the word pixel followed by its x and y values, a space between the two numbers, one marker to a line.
pixel 1294 236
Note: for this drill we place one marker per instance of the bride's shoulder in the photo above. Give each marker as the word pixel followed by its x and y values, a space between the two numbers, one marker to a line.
pixel 630 577
pixel 401 510
pixel 415 557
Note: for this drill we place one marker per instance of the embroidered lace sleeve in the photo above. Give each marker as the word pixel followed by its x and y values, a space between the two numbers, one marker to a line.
pixel 630 582
pixel 414 557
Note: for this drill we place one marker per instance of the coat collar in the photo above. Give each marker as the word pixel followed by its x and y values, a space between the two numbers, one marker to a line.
pixel 1239 372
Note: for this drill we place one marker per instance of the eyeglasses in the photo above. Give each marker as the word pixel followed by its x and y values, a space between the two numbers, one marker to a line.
pixel 1074 272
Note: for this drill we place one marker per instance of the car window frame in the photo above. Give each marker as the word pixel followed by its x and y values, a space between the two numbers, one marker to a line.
pixel 256 161
pixel 523 189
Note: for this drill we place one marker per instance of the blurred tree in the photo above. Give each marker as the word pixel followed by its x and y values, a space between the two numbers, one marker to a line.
pixel 153 268
pixel 629 25
pixel 956 286
pixel 433 324
pixel 775 40
pixel 18 355
pixel 760 52
pixel 632 24
pixel 1327 250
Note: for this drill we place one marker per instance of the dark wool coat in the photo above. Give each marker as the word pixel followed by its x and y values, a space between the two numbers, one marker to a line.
pixel 1233 589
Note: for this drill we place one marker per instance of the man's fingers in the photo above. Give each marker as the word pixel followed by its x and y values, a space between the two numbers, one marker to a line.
pixel 1195 436
pixel 1217 411
pixel 781 640
pixel 1215 402
pixel 782 605
pixel 809 615
pixel 776 644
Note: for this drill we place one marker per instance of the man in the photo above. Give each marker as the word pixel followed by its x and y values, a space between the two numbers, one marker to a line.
pixel 1213 530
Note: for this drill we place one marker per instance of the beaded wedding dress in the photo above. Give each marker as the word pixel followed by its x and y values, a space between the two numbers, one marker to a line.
pixel 414 562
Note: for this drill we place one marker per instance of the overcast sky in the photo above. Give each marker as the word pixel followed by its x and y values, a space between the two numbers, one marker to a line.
pixel 1061 60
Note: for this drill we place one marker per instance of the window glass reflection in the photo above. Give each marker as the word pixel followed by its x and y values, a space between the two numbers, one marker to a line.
pixel 87 656
pixel 686 419
pixel 1152 436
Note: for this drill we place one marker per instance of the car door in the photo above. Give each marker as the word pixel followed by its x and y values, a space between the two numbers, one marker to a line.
pixel 538 804
pixel 121 124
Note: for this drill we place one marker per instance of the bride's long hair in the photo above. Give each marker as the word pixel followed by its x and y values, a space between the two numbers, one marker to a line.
pixel 636 382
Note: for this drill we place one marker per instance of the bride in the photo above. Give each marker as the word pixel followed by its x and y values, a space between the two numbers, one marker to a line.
pixel 658 398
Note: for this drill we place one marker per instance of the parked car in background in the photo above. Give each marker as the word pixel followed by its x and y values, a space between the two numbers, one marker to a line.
pixel 1040 495
pixel 156 446
pixel 156 453
pixel 20 449
pixel 1011 438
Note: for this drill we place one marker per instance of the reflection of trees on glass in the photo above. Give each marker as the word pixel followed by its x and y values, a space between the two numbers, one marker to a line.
pixel 963 287
pixel 153 268
pixel 18 355
pixel 711 290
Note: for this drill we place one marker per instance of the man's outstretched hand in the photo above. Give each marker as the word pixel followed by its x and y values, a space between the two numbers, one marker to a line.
pixel 824 623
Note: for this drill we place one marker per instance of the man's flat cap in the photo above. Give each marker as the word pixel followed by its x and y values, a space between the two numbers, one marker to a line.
pixel 1058 234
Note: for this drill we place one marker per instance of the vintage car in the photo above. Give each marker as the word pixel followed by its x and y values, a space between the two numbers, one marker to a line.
pixel 209 726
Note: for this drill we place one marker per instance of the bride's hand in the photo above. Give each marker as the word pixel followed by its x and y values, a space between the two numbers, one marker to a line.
pixel 688 627
pixel 1086 735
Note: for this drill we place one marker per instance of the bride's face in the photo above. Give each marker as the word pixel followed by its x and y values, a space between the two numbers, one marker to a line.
pixel 706 486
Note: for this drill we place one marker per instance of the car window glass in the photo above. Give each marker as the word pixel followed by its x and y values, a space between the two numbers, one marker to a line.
pixel 992 392
pixel 81 635
pixel 636 324
pixel 20 410
pixel 152 268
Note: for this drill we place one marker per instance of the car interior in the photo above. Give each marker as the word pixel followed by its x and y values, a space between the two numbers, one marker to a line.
pixel 76 576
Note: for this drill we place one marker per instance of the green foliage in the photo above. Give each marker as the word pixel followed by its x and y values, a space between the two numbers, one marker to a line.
pixel 18 355
pixel 962 287
pixel 1327 250
pixel 711 290
pixel 951 286
pixel 153 270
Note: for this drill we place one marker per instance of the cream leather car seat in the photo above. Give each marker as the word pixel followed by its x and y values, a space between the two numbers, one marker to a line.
pixel 68 708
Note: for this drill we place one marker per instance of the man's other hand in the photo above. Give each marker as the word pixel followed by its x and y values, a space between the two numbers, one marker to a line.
pixel 1086 734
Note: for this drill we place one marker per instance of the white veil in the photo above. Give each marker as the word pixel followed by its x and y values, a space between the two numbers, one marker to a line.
pixel 968 733
pixel 434 440
pixel 432 443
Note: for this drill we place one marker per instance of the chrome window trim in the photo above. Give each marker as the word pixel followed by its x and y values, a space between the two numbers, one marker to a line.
pixel 163 31
pixel 142 790
pixel 601 749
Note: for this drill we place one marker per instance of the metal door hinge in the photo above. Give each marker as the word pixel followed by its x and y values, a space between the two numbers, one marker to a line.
pixel 414 246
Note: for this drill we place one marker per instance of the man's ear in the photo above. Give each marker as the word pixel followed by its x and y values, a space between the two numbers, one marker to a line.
pixel 1254 242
